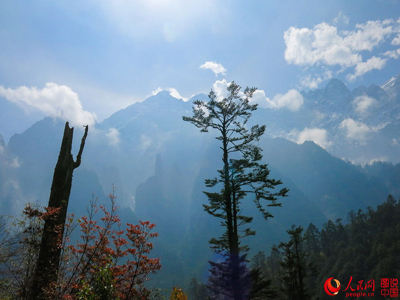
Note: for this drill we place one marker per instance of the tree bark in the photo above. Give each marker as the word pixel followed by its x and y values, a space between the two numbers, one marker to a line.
pixel 50 249
pixel 232 225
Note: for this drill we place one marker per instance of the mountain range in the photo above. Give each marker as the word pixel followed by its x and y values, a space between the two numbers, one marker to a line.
pixel 361 126
pixel 158 164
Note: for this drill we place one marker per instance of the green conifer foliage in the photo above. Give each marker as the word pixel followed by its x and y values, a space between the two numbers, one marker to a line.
pixel 242 172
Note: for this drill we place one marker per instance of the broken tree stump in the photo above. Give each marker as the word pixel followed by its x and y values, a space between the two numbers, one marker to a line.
pixel 50 249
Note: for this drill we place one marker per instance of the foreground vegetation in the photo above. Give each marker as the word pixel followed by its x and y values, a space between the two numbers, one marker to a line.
pixel 114 263
pixel 110 260
pixel 362 249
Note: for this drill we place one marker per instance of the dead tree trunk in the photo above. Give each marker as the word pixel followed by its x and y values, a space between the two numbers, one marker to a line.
pixel 50 249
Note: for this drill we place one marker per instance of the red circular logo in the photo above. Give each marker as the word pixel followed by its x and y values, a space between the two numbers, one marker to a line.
pixel 330 289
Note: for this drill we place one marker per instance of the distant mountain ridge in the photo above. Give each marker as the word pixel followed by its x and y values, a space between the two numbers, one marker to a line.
pixel 362 125
pixel 158 164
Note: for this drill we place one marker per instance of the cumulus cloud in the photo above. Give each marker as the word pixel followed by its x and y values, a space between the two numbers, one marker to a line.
pixel 317 135
pixel 113 136
pixel 292 100
pixel 355 130
pixel 364 67
pixel 172 91
pixel 57 101
pixel 363 103
pixel 396 40
pixel 215 67
pixel 369 35
pixel 262 100
pixel 220 88
pixel 325 45
pixel 392 54
pixel 322 44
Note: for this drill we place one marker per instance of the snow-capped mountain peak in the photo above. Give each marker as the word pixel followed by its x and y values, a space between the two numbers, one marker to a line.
pixel 395 80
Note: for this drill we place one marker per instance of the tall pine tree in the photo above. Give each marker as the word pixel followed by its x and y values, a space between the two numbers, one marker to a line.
pixel 241 174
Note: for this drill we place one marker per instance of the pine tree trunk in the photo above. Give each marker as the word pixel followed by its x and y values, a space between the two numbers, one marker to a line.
pixel 232 227
pixel 50 249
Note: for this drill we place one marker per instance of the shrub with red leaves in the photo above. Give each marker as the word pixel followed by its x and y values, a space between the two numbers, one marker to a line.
pixel 108 262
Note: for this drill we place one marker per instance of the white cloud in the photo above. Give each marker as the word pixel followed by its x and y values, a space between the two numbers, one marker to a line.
pixel 363 103
pixel 113 136
pixel 313 82
pixel 58 101
pixel 325 45
pixel 215 67
pixel 341 18
pixel 292 100
pixel 317 135
pixel 396 40
pixel 262 100
pixel 155 92
pixel 369 35
pixel 364 67
pixel 379 126
pixel 322 44
pixel 220 88
pixel 355 130
pixel 172 91
pixel 392 54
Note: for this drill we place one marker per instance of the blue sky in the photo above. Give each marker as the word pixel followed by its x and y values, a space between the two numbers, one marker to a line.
pixel 84 60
